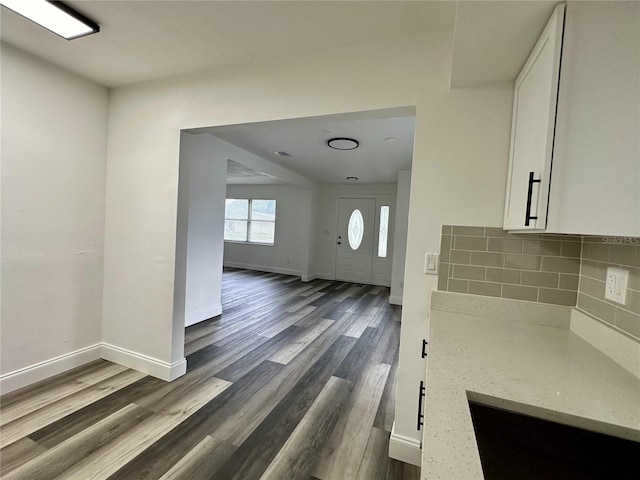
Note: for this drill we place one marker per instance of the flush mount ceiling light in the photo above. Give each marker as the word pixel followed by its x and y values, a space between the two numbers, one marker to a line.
pixel 282 153
pixel 54 16
pixel 352 179
pixel 343 143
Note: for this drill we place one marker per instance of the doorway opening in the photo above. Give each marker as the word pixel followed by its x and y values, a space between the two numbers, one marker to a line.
pixel 290 165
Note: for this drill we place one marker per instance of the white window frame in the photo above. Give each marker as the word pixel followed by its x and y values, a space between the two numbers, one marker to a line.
pixel 247 241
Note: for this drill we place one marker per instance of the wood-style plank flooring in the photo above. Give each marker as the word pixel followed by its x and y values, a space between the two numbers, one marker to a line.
pixel 293 381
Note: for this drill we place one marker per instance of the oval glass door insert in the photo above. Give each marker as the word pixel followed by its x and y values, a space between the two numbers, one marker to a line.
pixel 355 230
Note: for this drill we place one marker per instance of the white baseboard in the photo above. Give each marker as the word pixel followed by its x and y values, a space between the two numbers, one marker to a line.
pixel 324 276
pixel 41 371
pixel 144 363
pixel 264 268
pixel 404 448
pixel 395 299
pixel 309 277
pixel 202 314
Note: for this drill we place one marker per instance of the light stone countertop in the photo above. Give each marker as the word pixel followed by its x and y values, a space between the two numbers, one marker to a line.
pixel 543 371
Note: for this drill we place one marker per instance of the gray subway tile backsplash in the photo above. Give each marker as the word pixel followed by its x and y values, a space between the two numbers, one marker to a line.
pixel 557 297
pixel 597 308
pixel 560 265
pixel 468 272
pixel 485 288
pixel 571 249
pixel 522 262
pixel 593 269
pixel 460 257
pixel 473 231
pixel 503 275
pixel 542 247
pixel 518 292
pixel 627 321
pixel 461 242
pixel 487 259
pixel 506 245
pixel 624 255
pixel 568 282
pixel 460 286
pixel 544 268
pixel 540 279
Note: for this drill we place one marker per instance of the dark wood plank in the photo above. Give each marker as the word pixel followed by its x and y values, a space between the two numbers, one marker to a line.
pixel 256 453
pixel 18 453
pixel 272 421
pixel 65 428
pixel 248 362
pixel 202 462
pixel 386 409
pixel 354 364
pixel 49 384
pixel 297 457
pixel 163 454
pixel 66 454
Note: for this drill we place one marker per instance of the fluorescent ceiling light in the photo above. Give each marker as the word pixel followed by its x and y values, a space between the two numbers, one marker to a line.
pixel 54 16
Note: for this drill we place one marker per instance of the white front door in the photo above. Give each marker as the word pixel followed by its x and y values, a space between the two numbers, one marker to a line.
pixel 354 254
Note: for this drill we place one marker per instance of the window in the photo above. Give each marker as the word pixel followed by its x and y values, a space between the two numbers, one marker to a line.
pixel 384 231
pixel 250 221
pixel 355 229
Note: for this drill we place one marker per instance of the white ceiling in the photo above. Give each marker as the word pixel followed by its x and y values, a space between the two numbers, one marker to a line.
pixel 492 39
pixel 149 40
pixel 239 174
pixel 374 161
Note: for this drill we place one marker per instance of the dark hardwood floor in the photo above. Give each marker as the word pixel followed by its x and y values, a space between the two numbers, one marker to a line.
pixel 294 381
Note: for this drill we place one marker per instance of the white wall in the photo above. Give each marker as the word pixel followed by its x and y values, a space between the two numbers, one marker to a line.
pixel 400 237
pixel 458 173
pixel 54 128
pixel 289 253
pixel 204 178
pixel 327 221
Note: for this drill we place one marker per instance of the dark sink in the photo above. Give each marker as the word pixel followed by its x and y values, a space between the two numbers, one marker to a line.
pixel 515 446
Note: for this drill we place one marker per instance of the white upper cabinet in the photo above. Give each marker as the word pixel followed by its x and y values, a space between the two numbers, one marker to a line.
pixel 532 131
pixel 584 150
pixel 595 184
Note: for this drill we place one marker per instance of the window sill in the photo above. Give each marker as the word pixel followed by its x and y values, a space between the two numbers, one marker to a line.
pixel 239 242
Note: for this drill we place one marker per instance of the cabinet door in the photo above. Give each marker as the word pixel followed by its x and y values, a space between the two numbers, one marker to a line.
pixel 596 157
pixel 532 131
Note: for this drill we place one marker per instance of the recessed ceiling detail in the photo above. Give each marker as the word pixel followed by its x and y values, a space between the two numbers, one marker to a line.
pixel 239 174
pixel 374 161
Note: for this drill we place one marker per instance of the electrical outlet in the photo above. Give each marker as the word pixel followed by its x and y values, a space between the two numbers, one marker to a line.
pixel 616 286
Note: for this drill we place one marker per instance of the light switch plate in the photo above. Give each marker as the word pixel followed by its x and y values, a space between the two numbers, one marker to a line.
pixel 431 263
pixel 616 286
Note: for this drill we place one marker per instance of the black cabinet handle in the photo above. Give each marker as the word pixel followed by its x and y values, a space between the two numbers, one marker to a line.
pixel 527 216
pixel 421 394
pixel 424 348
